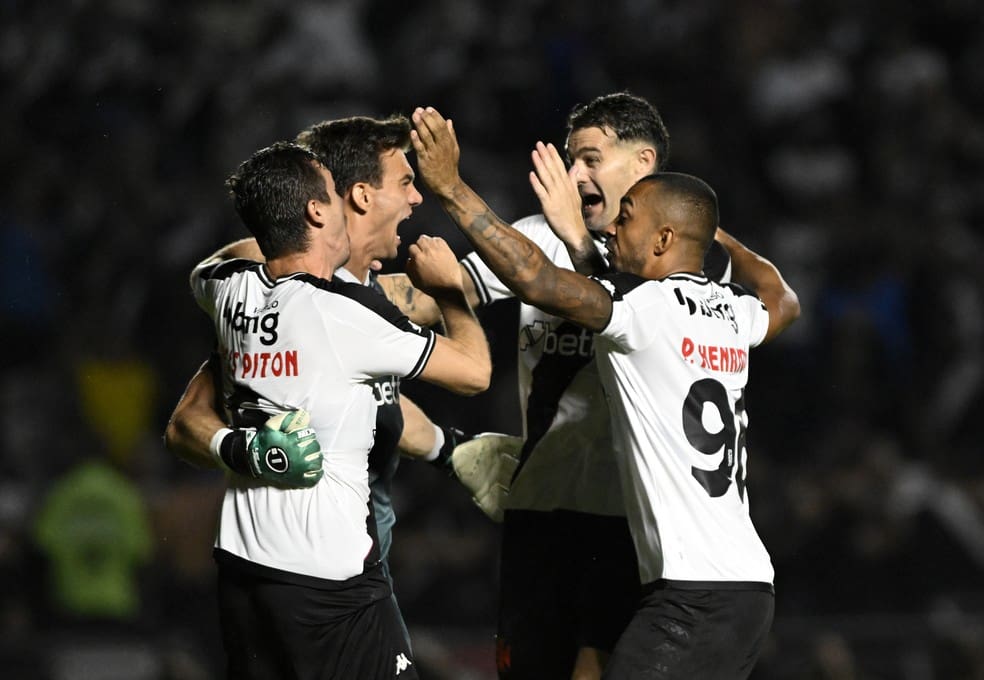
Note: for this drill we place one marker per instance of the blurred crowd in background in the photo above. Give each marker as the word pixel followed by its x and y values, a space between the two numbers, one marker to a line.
pixel 845 140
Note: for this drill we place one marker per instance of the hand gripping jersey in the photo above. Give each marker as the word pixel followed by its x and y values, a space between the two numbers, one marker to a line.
pixel 567 460
pixel 303 342
pixel 674 365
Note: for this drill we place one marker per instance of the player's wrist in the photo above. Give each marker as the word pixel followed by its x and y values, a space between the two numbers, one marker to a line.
pixel 230 447
pixel 449 437
pixel 435 452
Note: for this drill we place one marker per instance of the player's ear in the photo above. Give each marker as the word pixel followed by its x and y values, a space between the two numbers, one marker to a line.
pixel 663 239
pixel 316 212
pixel 646 158
pixel 360 197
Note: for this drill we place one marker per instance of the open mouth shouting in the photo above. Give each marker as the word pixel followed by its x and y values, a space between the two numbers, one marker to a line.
pixel 592 206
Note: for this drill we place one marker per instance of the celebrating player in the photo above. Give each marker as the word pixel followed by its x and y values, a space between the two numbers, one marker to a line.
pixel 301 589
pixel 672 348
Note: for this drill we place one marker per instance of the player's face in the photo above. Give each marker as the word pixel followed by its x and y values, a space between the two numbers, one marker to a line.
pixel 605 169
pixel 392 202
pixel 630 235
pixel 335 231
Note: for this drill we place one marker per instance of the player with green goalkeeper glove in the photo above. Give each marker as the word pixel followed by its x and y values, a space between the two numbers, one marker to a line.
pixel 284 451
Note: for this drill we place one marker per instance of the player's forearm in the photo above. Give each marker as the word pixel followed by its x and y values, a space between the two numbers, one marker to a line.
pixel 464 331
pixel 761 276
pixel 523 266
pixel 189 433
pixel 584 254
pixel 418 437
pixel 194 422
pixel 512 257
pixel 419 307
pixel 246 249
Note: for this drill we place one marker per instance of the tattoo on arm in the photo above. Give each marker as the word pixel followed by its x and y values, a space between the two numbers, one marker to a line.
pixel 522 266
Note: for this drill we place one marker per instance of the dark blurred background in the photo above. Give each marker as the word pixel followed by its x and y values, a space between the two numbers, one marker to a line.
pixel 846 142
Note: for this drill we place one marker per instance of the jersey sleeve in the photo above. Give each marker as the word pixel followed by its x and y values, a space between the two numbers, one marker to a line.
pixel 755 312
pixel 381 339
pixel 208 276
pixel 631 326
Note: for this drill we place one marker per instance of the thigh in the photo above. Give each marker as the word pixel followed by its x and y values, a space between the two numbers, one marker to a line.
pixel 396 603
pixel 536 636
pixel 328 637
pixel 681 634
pixel 252 648
pixel 607 588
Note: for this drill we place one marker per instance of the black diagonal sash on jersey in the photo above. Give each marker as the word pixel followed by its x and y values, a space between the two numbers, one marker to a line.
pixel 551 377
pixel 384 457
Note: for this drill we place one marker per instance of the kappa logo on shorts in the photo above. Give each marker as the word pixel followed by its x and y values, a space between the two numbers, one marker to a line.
pixel 276 459
pixel 402 663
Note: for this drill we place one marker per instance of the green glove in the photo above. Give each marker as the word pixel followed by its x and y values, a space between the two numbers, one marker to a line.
pixel 284 451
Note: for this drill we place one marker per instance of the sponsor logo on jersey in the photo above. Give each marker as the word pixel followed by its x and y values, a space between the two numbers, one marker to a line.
pixel 264 364
pixel 402 663
pixel 715 357
pixel 573 341
pixel 386 391
pixel 262 324
pixel 713 306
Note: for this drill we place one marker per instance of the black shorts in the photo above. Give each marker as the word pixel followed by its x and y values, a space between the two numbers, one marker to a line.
pixel 567 580
pixel 274 630
pixel 681 633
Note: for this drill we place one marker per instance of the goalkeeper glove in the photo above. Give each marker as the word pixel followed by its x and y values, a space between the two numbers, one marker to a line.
pixel 284 451
pixel 452 437
pixel 484 464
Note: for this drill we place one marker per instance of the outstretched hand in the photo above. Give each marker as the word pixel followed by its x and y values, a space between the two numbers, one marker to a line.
pixel 437 150
pixel 433 267
pixel 557 190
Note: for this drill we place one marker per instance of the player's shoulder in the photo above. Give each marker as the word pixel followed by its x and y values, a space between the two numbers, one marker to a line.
pixel 619 284
pixel 223 269
pixel 739 291
pixel 536 228
pixel 531 223
pixel 702 285
pixel 359 294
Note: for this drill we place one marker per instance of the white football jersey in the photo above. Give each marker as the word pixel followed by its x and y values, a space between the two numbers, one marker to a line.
pixel 567 461
pixel 674 365
pixel 303 342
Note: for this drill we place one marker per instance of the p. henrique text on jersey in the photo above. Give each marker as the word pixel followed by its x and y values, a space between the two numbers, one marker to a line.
pixel 715 357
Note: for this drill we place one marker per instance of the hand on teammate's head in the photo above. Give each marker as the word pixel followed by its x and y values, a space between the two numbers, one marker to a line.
pixel 437 149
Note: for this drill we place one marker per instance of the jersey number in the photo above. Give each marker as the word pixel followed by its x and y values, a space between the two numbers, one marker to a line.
pixel 729 438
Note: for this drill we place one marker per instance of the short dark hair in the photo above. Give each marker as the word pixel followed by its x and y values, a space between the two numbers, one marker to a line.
pixel 351 147
pixel 631 118
pixel 697 198
pixel 271 191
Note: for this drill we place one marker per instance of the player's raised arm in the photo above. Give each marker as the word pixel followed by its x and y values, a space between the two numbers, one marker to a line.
pixel 420 307
pixel 761 276
pixel 556 187
pixel 516 260
pixel 461 361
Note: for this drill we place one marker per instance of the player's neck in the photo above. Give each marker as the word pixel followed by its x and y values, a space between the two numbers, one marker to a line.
pixel 308 262
pixel 358 266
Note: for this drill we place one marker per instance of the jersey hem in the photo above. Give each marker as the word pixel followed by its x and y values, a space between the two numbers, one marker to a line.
pixel 673 584
pixel 372 580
